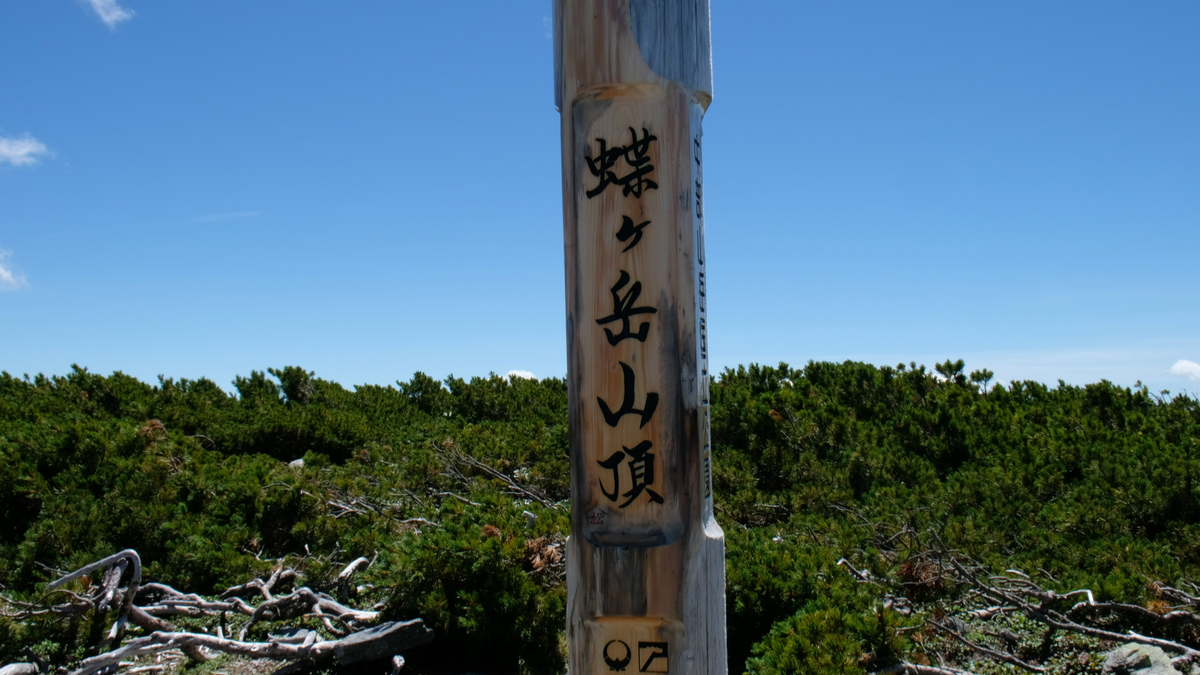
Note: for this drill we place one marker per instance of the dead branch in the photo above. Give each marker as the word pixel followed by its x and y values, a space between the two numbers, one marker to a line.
pixel 1007 658
pixel 378 642
pixel 301 602
pixel 1173 617
pixel 918 669
pixel 861 576
pixel 128 554
pixel 75 606
pixel 458 497
pixel 119 562
pixel 108 587
pixel 348 573
pixel 159 600
pixel 1176 594
pixel 152 624
pixel 419 521
pixel 278 575
pixel 988 612
pixel 455 456
pixel 1006 590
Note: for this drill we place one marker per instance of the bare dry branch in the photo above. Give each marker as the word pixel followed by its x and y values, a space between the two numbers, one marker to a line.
pixel 918 669
pixel 152 624
pixel 1174 617
pixel 128 553
pixel 1006 658
pixel 1012 592
pixel 301 602
pixel 1176 594
pixel 264 588
pixel 458 497
pixel 457 457
pixel 347 573
pixel 373 643
pixel 862 576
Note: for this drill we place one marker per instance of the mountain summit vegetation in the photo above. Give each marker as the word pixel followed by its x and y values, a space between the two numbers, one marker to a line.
pixel 870 512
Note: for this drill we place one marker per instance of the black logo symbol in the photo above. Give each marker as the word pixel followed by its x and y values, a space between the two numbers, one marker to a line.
pixel 617 664
pixel 652 656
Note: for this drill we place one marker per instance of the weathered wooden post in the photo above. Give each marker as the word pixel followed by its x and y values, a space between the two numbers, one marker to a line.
pixel 646 559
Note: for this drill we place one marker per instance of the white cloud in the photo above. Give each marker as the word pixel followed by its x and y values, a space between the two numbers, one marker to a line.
pixel 21 151
pixel 10 280
pixel 110 12
pixel 1188 369
pixel 523 374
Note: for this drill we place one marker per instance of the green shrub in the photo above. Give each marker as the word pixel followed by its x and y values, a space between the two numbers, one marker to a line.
pixel 471 580
pixel 1099 486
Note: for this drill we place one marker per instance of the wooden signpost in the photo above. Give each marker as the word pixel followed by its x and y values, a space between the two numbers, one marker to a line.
pixel 646 559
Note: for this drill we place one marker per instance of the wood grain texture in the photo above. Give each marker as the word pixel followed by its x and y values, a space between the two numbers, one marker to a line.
pixel 646 559
pixel 674 39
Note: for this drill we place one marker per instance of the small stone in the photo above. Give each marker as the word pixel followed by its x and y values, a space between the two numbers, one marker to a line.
pixel 1138 659
pixel 297 463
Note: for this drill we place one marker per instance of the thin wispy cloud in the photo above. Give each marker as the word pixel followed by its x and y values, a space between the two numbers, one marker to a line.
pixel 22 151
pixel 218 217
pixel 1188 369
pixel 10 279
pixel 110 12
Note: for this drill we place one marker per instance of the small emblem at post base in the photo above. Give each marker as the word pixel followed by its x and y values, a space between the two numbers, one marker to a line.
pixel 652 657
pixel 631 645
pixel 617 655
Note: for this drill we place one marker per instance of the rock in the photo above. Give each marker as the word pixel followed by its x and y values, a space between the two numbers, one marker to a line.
pixel 1137 659
pixel 19 669
pixel 297 463
pixel 381 642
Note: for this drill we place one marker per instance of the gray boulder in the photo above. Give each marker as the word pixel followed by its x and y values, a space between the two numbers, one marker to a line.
pixel 1137 659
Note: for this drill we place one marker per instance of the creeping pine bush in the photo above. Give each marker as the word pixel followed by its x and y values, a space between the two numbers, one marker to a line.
pixel 832 638
pixel 471 582
pixel 1095 486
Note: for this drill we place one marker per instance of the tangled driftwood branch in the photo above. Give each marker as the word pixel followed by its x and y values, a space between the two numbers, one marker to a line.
pixel 347 574
pixel 373 643
pixel 1016 589
pixel 928 562
pixel 146 605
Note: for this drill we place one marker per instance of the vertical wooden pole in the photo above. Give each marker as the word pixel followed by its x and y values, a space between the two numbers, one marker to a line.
pixel 646 559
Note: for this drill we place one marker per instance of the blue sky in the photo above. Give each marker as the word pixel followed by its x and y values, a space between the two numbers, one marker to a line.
pixel 368 189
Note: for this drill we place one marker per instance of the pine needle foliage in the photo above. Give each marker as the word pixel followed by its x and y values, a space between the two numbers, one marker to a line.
pixel 1093 486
